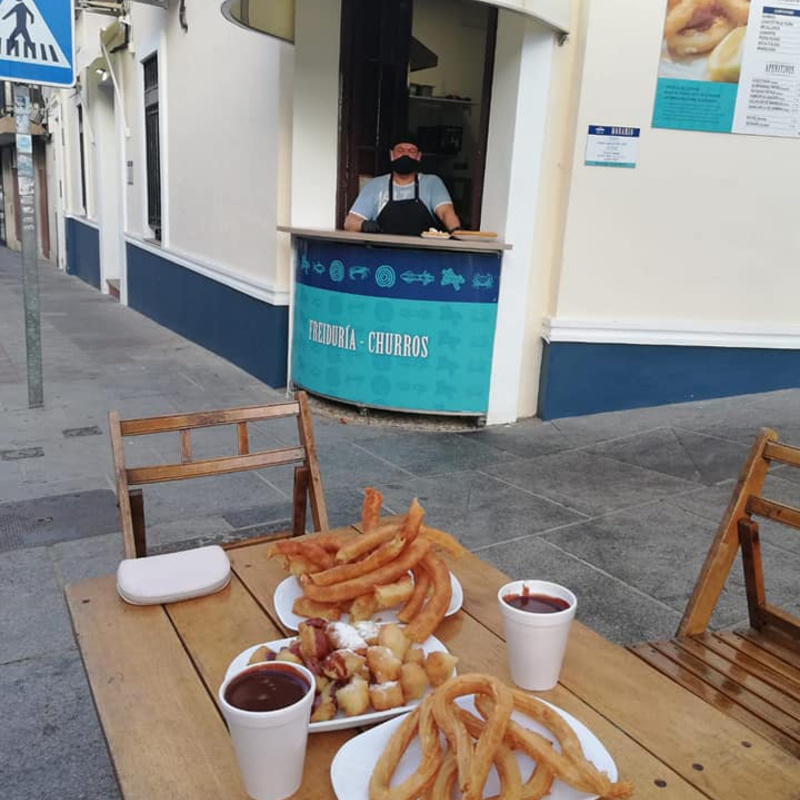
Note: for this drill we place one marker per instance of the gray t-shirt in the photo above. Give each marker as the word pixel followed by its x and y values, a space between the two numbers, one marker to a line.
pixel 375 195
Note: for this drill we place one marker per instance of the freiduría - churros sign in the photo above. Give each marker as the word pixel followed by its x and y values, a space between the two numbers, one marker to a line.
pixel 409 329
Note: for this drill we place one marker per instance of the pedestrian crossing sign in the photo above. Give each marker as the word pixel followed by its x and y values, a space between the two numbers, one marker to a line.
pixel 37 47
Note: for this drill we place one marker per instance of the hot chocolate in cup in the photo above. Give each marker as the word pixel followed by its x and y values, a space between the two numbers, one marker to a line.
pixel 267 708
pixel 536 621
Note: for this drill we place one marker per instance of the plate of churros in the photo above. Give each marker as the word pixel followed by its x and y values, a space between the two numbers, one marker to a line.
pixel 392 570
pixel 365 673
pixel 289 595
pixel 474 736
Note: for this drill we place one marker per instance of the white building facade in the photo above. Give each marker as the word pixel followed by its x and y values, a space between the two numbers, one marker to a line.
pixel 190 140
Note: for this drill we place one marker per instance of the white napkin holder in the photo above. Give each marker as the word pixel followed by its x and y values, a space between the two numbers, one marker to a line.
pixel 171 577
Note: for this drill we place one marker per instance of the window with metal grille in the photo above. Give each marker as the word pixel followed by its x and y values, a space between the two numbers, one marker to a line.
pixel 153 154
pixel 82 154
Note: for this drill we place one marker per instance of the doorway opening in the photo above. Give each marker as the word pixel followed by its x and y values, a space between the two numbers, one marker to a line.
pixel 419 65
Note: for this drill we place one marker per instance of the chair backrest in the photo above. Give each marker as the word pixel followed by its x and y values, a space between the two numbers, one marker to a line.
pixel 738 528
pixel 307 480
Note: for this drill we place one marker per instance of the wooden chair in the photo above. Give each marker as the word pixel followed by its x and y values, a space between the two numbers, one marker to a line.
pixel 753 674
pixel 307 481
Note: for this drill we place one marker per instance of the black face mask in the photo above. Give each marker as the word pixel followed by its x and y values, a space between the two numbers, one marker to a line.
pixel 405 165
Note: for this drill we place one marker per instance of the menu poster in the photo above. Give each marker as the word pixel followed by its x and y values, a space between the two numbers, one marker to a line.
pixel 730 66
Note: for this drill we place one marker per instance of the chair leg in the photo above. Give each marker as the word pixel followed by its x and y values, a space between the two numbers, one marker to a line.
pixel 722 552
pixel 137 516
pixel 301 483
pixel 753 571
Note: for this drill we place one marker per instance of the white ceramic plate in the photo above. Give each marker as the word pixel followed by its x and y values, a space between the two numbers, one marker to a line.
pixel 289 589
pixel 353 764
pixel 430 645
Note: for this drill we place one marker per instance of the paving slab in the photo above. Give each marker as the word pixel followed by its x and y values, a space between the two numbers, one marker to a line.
pixel 587 483
pixel 50 740
pixel 478 508
pixel 681 453
pixel 430 453
pixel 33 613
pixel 58 518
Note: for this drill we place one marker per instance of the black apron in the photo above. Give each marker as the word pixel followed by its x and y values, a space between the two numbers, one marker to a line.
pixel 406 217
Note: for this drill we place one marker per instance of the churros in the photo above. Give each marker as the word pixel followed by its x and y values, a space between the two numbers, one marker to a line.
pixel 473 744
pixel 393 563
pixel 371 509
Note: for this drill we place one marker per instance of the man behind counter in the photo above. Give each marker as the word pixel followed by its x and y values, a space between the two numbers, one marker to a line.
pixel 405 202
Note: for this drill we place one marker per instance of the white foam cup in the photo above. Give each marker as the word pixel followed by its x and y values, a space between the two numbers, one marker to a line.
pixel 270 746
pixel 536 642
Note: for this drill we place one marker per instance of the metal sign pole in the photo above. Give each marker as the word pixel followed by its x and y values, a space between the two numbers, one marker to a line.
pixel 30 248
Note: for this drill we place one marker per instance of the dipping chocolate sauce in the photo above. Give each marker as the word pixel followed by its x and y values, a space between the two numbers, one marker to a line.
pixel 267 688
pixel 536 603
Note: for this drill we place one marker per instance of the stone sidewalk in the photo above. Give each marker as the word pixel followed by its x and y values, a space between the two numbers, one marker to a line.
pixel 621 507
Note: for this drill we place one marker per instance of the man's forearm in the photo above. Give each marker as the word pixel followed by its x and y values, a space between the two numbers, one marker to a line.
pixel 448 217
pixel 352 222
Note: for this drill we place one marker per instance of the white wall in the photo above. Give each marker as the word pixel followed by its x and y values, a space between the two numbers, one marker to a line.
pixel 225 118
pixel 518 128
pixel 223 89
pixel 702 233
pixel 315 134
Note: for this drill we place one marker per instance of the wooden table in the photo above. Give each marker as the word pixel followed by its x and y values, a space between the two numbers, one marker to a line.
pixel 154 673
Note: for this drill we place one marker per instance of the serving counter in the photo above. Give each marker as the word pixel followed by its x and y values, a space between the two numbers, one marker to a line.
pixel 394 322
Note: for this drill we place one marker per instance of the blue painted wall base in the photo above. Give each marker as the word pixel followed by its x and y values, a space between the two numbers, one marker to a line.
pixel 250 333
pixel 581 378
pixel 83 251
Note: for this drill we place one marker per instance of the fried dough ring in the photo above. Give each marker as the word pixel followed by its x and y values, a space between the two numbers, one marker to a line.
pixel 694 41
pixel 377 558
pixel 363 584
pixel 569 765
pixel 422 582
pixel 737 11
pixel 683 14
pixel 473 763
pixel 433 612
pixel 420 722
pixel 371 509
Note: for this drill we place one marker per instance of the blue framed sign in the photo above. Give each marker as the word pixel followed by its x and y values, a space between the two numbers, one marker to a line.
pixel 395 328
pixel 37 42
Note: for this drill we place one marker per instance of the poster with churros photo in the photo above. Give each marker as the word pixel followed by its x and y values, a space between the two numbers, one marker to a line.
pixel 701 58
pixel 730 66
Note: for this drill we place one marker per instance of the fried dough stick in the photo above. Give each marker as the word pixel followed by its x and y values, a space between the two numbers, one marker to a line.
pixel 433 612
pixel 377 558
pixel 311 551
pixel 537 785
pixel 371 509
pixel 475 762
pixel 507 770
pixel 422 582
pixel 349 590
pixel 444 540
pixel 569 765
pixel 409 530
pixel 420 721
